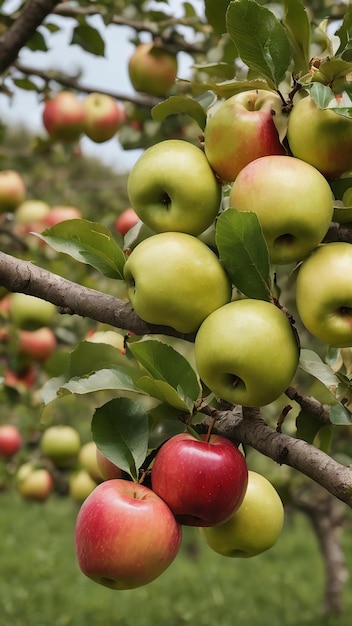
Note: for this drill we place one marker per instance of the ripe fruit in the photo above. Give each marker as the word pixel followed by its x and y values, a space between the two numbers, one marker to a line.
pixel 80 485
pixel 320 137
pixel 241 129
pixel 324 293
pixel 292 200
pixel 87 460
pixel 125 221
pixel 34 483
pixel 110 337
pixel 107 468
pixel 64 116
pixel 12 190
pixel 61 444
pixel 152 69
pixel 173 188
pixel 125 535
pixel 202 482
pixel 37 344
pixel 104 117
pixel 175 280
pixel 10 440
pixel 254 527
pixel 59 214
pixel 30 312
pixel 29 215
pixel 246 352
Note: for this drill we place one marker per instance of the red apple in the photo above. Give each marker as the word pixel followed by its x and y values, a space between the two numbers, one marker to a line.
pixel 104 117
pixel 107 468
pixel 23 379
pixel 59 214
pixel 126 220
pixel 152 69
pixel 64 117
pixel 37 344
pixel 203 482
pixel 34 483
pixel 125 535
pixel 241 129
pixel 10 440
pixel 12 190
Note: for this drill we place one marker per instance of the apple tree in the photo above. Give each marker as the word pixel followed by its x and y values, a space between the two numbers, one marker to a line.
pixel 232 293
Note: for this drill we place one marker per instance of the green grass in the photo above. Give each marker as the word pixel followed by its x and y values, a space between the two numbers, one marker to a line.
pixel 41 585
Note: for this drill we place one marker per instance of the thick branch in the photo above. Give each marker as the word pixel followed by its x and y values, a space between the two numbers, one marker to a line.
pixel 22 30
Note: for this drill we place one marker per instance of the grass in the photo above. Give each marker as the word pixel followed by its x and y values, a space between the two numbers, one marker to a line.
pixel 41 585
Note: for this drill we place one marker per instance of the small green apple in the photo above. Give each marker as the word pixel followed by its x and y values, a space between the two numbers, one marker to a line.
pixel 173 188
pixel 324 294
pixel 81 484
pixel 293 202
pixel 256 525
pixel 61 444
pixel 246 352
pixel 174 279
pixel 30 312
pixel 87 460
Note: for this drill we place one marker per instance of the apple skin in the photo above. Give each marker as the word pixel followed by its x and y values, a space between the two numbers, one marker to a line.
pixel 107 468
pixel 246 352
pixel 152 69
pixel 81 484
pixel 10 441
pixel 64 117
pixel 293 202
pixel 29 312
pixel 37 344
pixel 202 482
pixel 59 214
pixel 241 129
pixel 173 279
pixel 256 525
pixel 61 444
pixel 321 137
pixel 125 535
pixel 125 221
pixel 29 214
pixel 87 460
pixel 110 337
pixel 104 117
pixel 12 190
pixel 173 188
pixel 324 294
pixel 34 483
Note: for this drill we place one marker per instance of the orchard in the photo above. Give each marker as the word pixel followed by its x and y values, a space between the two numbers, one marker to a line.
pixel 198 314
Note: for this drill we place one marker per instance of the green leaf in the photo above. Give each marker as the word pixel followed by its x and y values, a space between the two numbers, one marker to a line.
pixel 308 425
pixel 89 39
pixel 165 393
pixel 25 83
pixel 180 104
pixel 244 253
pixel 323 439
pixel 87 242
pixel 296 22
pixel 89 357
pixel 121 431
pixel 37 43
pixel 339 415
pixel 165 364
pixel 321 94
pixel 311 363
pixel 113 378
pixel 215 11
pixel 260 39
pixel 344 33
pixel 339 186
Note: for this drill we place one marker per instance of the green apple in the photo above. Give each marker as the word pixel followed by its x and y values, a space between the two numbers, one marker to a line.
pixel 30 312
pixel 61 444
pixel 324 294
pixel 173 279
pixel 241 129
pixel 255 527
pixel 80 485
pixel 246 352
pixel 320 137
pixel 173 188
pixel 152 69
pixel 87 460
pixel 30 212
pixel 34 483
pixel 293 202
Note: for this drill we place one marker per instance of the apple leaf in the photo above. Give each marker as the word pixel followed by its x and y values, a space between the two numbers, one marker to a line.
pixel 307 425
pixel 296 22
pixel 244 253
pixel 165 393
pixel 344 33
pixel 89 39
pixel 106 378
pixel 120 428
pixel 339 415
pixel 260 39
pixel 89 357
pixel 169 366
pixel 87 242
pixel 311 363
pixel 180 104
pixel 339 186
pixel 215 11
pixel 323 439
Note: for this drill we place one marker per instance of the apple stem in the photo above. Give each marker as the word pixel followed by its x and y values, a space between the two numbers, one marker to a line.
pixel 212 422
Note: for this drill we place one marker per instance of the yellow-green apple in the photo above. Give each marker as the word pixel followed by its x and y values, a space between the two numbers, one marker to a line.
pixel 81 484
pixel 324 293
pixel 61 444
pixel 104 117
pixel 174 279
pixel 241 129
pixel 59 214
pixel 125 221
pixel 202 480
pixel 152 69
pixel 29 214
pixel 125 535
pixel 87 460
pixel 30 312
pixel 246 352
pixel 10 440
pixel 256 525
pixel 293 202
pixel 107 468
pixel 110 337
pixel 34 483
pixel 173 188
pixel 12 190
pixel 64 116
pixel 320 137
pixel 37 344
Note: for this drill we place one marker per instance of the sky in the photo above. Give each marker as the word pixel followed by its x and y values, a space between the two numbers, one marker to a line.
pixel 110 72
